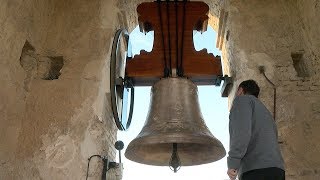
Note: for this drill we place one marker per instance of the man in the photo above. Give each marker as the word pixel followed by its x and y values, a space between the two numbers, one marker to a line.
pixel 254 151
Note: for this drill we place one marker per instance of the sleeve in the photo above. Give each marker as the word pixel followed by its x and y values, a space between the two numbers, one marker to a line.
pixel 240 121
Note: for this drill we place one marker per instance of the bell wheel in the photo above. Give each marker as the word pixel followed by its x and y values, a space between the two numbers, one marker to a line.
pixel 121 88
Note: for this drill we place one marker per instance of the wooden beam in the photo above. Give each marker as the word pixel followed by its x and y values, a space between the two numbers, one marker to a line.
pixel 199 66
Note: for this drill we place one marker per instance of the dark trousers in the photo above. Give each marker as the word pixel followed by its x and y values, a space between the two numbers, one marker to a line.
pixel 272 173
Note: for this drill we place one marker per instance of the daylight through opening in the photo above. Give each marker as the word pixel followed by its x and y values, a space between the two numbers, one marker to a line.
pixel 214 109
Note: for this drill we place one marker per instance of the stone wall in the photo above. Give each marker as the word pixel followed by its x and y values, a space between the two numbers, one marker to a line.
pixel 54 76
pixel 54 110
pixel 283 37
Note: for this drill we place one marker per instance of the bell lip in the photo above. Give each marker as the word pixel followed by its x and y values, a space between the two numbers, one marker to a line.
pixel 210 160
pixel 218 150
pixel 220 153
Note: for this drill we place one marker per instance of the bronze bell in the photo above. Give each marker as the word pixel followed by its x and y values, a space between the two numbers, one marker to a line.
pixel 175 133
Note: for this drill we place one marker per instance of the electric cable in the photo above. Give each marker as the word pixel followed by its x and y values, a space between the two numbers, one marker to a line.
pixel 89 159
pixel 109 165
pixel 262 70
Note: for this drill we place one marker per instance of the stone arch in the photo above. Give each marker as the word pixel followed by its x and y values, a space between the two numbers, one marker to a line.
pixel 267 34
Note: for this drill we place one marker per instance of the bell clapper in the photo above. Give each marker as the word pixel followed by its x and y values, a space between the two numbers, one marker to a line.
pixel 175 163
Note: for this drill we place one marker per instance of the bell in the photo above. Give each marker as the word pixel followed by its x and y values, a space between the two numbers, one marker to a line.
pixel 174 133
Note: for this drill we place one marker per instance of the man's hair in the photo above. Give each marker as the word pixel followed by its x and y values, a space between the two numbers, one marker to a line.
pixel 250 87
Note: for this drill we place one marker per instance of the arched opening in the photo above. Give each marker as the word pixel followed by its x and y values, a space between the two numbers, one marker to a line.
pixel 214 109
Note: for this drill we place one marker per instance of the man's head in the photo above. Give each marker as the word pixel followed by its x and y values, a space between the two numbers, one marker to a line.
pixel 248 87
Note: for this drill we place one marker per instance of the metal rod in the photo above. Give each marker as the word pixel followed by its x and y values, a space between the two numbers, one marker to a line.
pixel 182 39
pixel 168 28
pixel 163 43
pixel 119 156
pixel 177 37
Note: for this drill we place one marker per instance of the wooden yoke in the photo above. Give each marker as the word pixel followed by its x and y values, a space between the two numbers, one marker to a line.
pixel 148 67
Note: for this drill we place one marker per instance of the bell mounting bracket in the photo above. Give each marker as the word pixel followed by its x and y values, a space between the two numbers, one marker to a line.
pixel 121 87
pixel 227 84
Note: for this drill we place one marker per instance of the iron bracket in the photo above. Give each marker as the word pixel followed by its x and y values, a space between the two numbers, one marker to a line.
pixel 227 85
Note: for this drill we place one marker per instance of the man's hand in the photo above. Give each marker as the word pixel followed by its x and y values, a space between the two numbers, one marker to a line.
pixel 232 173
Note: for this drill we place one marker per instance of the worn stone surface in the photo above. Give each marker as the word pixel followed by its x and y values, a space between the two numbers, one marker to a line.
pixel 53 118
pixel 54 109
pixel 266 33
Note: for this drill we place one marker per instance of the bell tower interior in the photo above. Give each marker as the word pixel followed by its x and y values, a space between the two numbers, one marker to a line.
pixel 55 98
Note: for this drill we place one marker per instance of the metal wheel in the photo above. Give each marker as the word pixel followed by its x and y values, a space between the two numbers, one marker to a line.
pixel 120 86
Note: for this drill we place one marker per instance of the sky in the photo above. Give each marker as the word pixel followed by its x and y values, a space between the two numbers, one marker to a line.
pixel 214 109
